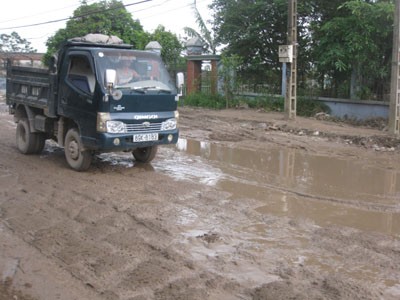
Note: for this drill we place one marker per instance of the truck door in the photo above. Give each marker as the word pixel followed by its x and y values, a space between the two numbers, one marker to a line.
pixel 77 91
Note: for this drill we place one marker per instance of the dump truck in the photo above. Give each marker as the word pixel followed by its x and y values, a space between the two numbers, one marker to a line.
pixel 80 103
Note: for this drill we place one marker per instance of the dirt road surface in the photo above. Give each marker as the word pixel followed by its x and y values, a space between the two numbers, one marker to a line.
pixel 246 206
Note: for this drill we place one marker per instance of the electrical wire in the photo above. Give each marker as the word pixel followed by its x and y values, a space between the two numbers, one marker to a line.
pixel 76 17
pixel 42 13
pixel 164 11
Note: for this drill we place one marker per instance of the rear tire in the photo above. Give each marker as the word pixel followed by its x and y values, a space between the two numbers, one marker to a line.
pixel 145 154
pixel 77 158
pixel 27 142
pixel 40 142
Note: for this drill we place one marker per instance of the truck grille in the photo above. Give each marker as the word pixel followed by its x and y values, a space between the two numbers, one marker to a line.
pixel 148 127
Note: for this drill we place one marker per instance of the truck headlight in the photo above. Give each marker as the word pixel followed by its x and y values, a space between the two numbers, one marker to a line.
pixel 102 119
pixel 105 124
pixel 115 127
pixel 169 124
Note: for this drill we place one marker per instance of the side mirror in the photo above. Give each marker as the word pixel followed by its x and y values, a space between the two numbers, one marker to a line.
pixel 110 78
pixel 53 64
pixel 180 81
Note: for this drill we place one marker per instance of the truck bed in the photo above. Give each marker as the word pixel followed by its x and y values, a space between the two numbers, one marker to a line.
pixel 31 86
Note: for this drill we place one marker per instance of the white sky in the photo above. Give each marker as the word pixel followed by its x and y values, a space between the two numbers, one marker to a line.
pixel 173 14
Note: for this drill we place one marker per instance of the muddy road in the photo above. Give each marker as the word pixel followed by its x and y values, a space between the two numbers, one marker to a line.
pixel 245 206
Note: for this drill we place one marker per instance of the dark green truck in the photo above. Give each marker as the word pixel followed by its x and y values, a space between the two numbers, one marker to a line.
pixel 79 103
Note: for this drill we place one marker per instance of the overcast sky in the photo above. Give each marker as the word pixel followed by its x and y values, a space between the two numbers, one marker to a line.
pixel 173 14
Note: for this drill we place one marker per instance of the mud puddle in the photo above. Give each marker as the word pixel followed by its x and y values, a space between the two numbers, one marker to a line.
pixel 326 190
pixel 287 182
pixel 272 189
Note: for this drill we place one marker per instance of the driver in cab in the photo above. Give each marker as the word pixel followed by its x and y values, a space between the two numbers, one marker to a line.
pixel 126 73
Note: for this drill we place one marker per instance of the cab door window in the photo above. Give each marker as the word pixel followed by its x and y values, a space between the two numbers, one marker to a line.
pixel 81 75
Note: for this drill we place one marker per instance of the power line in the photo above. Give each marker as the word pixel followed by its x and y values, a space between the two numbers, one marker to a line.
pixel 165 11
pixel 42 13
pixel 155 5
pixel 76 17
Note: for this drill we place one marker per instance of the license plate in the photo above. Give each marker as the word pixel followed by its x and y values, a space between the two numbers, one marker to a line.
pixel 145 137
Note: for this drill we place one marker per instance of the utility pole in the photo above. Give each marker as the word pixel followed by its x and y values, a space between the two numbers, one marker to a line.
pixel 394 112
pixel 291 88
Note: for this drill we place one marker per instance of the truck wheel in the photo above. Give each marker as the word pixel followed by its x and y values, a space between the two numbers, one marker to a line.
pixel 145 154
pixel 40 142
pixel 26 140
pixel 77 158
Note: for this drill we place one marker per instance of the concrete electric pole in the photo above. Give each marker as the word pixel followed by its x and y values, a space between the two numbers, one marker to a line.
pixel 394 112
pixel 291 82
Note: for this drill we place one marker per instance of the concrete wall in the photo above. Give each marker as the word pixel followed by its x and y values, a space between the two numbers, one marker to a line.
pixel 361 110
pixel 344 108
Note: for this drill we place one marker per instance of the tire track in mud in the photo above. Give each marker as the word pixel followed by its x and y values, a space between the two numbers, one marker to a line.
pixel 132 233
pixel 108 241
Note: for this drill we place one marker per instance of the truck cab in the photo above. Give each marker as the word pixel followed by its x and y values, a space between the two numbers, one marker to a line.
pixel 99 97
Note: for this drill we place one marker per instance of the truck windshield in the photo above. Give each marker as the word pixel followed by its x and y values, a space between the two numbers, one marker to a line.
pixel 141 71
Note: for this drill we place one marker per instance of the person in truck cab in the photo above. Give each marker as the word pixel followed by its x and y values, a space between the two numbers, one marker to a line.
pixel 126 73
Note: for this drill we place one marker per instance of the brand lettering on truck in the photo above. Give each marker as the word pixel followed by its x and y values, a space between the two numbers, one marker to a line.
pixel 145 117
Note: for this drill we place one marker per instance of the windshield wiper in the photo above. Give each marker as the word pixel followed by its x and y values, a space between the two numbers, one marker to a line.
pixel 155 88
pixel 127 87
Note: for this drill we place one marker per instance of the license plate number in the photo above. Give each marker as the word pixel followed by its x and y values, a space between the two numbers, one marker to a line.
pixel 145 137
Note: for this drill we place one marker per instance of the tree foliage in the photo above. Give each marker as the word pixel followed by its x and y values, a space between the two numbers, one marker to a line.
pixel 341 43
pixel 106 17
pixel 14 43
pixel 171 47
pixel 112 18
pixel 230 67
pixel 253 30
pixel 205 34
pixel 355 47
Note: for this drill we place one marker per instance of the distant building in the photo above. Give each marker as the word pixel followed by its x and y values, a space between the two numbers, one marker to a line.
pixel 20 59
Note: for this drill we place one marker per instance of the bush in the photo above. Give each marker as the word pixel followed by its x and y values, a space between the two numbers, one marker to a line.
pixel 268 103
pixel 306 107
pixel 205 100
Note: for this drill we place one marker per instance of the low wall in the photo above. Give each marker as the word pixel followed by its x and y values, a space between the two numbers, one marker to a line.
pixel 355 109
pixel 345 108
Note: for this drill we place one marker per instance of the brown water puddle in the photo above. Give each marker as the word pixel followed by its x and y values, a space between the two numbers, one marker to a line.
pixel 292 183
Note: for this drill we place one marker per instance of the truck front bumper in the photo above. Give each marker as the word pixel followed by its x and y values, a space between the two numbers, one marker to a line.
pixel 111 142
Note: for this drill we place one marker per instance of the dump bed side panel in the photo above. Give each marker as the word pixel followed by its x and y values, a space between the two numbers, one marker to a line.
pixel 34 87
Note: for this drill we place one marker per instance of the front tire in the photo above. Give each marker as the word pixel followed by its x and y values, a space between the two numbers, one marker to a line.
pixel 145 154
pixel 77 158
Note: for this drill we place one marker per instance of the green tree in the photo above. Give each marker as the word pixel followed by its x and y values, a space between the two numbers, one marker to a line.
pixel 171 48
pixel 205 34
pixel 341 43
pixel 354 48
pixel 253 30
pixel 230 66
pixel 14 43
pixel 106 17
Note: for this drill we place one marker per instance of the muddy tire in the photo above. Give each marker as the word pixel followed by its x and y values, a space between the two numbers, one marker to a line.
pixel 145 155
pixel 40 142
pixel 77 158
pixel 27 142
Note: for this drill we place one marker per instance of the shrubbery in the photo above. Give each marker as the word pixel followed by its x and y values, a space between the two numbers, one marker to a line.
pixel 204 100
pixel 306 106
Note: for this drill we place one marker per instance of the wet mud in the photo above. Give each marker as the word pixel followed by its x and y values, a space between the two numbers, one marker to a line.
pixel 236 210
